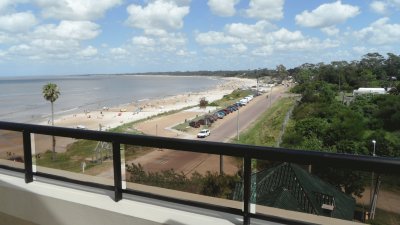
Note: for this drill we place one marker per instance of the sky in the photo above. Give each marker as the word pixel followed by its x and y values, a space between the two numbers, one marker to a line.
pixel 63 37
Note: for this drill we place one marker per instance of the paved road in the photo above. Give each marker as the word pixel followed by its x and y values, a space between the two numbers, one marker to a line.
pixel 245 117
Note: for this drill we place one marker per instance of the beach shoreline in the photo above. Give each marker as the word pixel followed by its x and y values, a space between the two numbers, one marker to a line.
pixel 114 116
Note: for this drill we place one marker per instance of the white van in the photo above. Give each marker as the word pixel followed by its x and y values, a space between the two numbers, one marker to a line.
pixel 243 101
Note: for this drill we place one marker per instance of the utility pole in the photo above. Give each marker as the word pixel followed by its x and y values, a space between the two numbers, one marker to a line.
pixel 374 193
pixel 237 124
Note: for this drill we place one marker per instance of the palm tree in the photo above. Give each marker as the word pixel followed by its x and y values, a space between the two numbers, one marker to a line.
pixel 51 93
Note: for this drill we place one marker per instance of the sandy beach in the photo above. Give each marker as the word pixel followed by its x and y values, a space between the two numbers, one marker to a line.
pixel 115 116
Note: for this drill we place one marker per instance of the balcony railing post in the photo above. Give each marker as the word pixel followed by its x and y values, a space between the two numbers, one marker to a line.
pixel 117 171
pixel 246 189
pixel 26 136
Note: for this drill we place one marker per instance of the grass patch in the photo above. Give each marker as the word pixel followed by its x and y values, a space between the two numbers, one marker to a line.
pixel 267 128
pixel 83 151
pixel 71 159
pixel 231 98
pixel 184 127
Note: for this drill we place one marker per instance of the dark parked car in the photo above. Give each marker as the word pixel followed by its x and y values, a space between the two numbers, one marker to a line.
pixel 230 109
pixel 205 121
pixel 227 111
pixel 215 117
pixel 233 107
pixel 222 112
pixel 220 115
pixel 210 119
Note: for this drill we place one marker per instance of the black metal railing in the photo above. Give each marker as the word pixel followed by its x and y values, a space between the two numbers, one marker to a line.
pixel 247 152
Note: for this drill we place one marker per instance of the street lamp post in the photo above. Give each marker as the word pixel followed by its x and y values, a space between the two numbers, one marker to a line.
pixel 237 124
pixel 372 178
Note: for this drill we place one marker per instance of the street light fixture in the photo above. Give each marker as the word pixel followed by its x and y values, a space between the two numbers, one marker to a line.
pixel 237 125
pixel 373 142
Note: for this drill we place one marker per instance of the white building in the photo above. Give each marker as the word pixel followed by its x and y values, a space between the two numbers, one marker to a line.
pixel 361 91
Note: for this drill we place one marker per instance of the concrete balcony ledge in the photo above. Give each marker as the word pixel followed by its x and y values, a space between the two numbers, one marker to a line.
pixel 48 204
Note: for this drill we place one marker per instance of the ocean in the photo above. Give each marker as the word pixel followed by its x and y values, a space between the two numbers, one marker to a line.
pixel 21 99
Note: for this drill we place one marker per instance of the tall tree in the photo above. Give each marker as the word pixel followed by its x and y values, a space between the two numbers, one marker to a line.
pixel 282 72
pixel 51 93
pixel 392 66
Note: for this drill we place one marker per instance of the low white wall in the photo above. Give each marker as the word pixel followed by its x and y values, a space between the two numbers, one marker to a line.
pixel 48 204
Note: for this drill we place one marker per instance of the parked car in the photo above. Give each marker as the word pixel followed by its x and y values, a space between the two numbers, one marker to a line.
pixel 205 121
pixel 215 117
pixel 243 101
pixel 220 115
pixel 227 111
pixel 210 118
pixel 239 104
pixel 234 107
pixel 204 133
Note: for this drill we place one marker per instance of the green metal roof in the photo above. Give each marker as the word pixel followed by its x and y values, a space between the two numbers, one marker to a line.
pixel 290 187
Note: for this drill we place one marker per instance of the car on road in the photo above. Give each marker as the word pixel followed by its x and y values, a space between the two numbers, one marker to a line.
pixel 81 127
pixel 204 133
pixel 243 101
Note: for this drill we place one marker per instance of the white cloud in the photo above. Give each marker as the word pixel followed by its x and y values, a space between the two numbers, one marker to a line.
pixel 119 52
pixel 380 32
pixel 79 30
pixel 360 49
pixel 263 51
pixel 395 3
pixel 182 52
pixel 17 22
pixel 5 38
pixel 212 51
pixel 157 17
pixel 3 53
pixel 170 42
pixel 266 9
pixel 268 42
pixel 306 44
pixel 5 5
pixel 54 46
pixel 215 38
pixel 21 49
pixel 331 31
pixel 88 52
pixel 76 9
pixel 284 35
pixel 252 33
pixel 378 7
pixel 223 8
pixel 239 48
pixel 56 41
pixel 143 41
pixel 327 15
